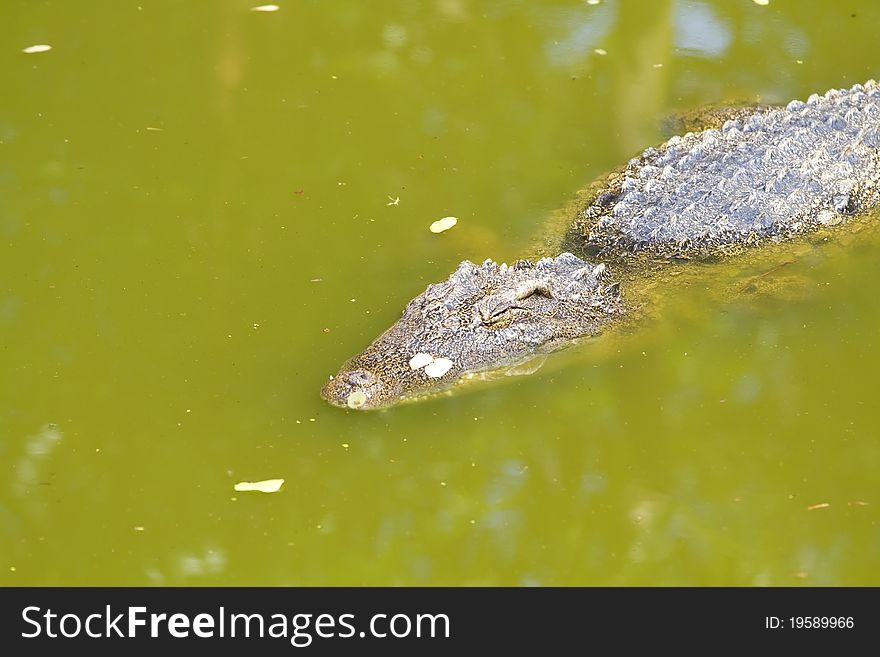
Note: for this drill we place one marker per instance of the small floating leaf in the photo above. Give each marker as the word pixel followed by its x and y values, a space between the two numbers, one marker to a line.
pixel 356 399
pixel 420 360
pixel 443 224
pixel 265 486
pixel 266 8
pixel 438 367
pixel 40 47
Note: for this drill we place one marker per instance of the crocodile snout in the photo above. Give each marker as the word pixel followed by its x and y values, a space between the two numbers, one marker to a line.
pixel 352 389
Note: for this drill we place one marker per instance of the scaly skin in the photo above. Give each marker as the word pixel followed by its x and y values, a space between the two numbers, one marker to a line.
pixel 768 175
pixel 480 318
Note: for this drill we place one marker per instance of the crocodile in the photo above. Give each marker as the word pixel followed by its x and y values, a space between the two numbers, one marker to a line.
pixel 764 175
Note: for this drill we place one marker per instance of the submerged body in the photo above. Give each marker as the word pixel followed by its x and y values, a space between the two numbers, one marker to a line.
pixel 768 174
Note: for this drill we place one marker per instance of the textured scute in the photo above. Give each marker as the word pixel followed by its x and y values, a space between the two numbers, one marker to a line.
pixel 475 298
pixel 770 173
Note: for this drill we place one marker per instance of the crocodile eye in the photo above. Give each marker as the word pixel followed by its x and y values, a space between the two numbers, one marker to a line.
pixel 496 308
pixel 495 311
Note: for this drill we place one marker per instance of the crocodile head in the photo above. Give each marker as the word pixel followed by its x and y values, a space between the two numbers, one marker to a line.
pixel 483 317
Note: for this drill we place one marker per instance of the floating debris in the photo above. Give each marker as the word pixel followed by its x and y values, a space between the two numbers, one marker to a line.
pixel 443 224
pixel 438 367
pixel 821 505
pixel 600 51
pixel 356 399
pixel 40 47
pixel 434 367
pixel 762 3
pixel 393 201
pixel 420 360
pixel 266 8
pixel 265 486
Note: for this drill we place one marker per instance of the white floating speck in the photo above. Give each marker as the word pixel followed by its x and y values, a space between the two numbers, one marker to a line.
pixel 763 3
pixel 40 47
pixel 265 486
pixel 266 8
pixel 600 51
pixel 443 224
pixel 592 2
pixel 438 367
pixel 356 399
pixel 420 360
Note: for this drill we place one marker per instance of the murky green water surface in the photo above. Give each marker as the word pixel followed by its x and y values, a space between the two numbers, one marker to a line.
pixel 205 209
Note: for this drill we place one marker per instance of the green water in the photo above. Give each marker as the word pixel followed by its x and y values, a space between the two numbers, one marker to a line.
pixel 197 226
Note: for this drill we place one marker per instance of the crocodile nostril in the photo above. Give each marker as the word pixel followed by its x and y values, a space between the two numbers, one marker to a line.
pixel 362 378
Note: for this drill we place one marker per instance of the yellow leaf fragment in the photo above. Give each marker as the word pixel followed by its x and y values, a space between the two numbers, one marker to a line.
pixel 265 486
pixel 40 47
pixel 443 224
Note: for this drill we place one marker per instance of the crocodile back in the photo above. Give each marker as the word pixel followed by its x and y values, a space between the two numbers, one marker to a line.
pixel 772 173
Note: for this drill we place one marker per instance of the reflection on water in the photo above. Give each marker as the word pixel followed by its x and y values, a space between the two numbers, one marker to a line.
pixel 189 568
pixel 700 30
pixel 581 30
pixel 195 237
pixel 32 468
